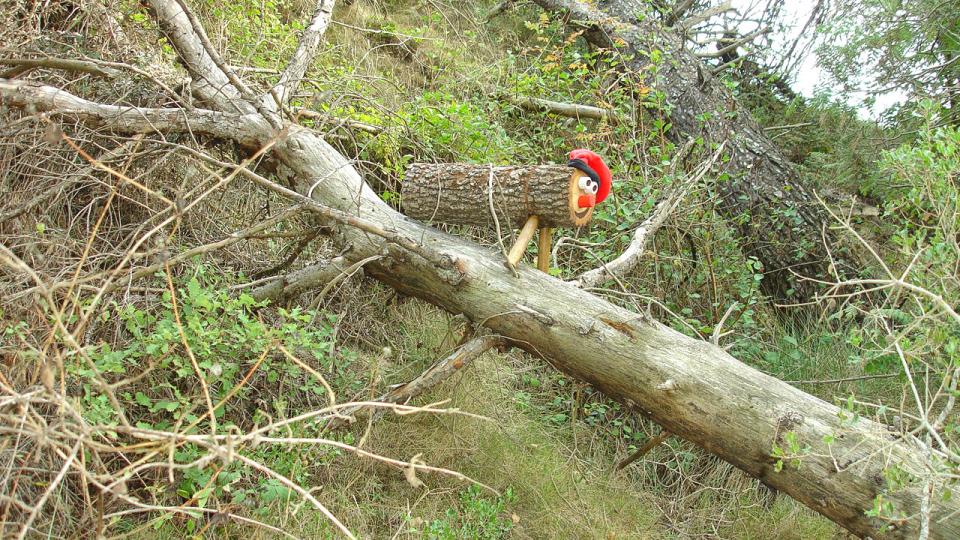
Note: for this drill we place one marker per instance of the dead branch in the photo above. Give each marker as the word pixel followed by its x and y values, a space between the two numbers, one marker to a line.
pixel 735 45
pixel 36 97
pixel 21 65
pixel 434 375
pixel 310 277
pixel 303 56
pixel 736 61
pixel 643 450
pixel 570 110
pixel 677 10
pixel 705 15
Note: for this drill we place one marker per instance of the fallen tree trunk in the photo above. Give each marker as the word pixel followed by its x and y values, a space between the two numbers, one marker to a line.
pixel 692 388
pixel 466 194
pixel 778 221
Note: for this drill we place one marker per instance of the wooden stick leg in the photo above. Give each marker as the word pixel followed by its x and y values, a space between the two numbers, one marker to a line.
pixel 526 234
pixel 543 250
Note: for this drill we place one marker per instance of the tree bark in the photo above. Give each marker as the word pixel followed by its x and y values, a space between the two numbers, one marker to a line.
pixel 460 193
pixel 778 221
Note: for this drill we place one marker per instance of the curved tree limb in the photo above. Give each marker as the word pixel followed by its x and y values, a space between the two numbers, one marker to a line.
pixel 210 78
pixel 629 259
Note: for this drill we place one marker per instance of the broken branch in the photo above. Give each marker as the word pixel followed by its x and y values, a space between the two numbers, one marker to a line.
pixel 571 110
pixel 437 373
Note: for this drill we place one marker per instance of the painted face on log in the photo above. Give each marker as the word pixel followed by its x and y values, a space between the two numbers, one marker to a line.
pixel 590 184
pixel 583 197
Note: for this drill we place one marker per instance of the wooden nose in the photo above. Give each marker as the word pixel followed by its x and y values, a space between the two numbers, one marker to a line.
pixel 587 201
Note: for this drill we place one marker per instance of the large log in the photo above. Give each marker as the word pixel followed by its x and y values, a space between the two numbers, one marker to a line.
pixel 692 388
pixel 777 219
pixel 467 194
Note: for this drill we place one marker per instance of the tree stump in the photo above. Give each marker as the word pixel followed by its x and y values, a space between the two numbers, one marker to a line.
pixel 467 194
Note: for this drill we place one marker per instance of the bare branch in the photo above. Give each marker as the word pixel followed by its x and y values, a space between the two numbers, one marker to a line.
pixel 571 110
pixel 642 451
pixel 736 44
pixel 24 64
pixel 679 9
pixel 47 99
pixel 733 62
pixel 302 57
pixel 705 15
pixel 438 372
pixel 294 283
pixel 629 259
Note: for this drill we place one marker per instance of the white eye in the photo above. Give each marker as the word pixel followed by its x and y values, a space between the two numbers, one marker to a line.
pixel 588 185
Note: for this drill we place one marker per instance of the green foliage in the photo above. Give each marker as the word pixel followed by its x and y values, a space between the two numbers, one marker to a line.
pixel 891 44
pixel 223 334
pixel 234 342
pixel 478 516
pixel 909 327
pixel 272 39
pixel 455 129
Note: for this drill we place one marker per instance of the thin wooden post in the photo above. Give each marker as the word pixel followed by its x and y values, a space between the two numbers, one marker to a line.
pixel 543 249
pixel 526 234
